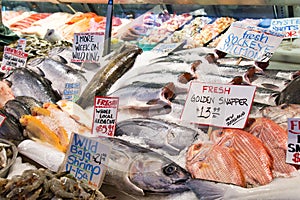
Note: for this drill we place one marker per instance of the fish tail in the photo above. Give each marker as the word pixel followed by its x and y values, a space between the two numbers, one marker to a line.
pixel 206 190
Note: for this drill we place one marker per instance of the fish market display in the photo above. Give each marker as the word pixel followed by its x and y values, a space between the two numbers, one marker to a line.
pixel 6 154
pixel 138 170
pixel 213 162
pixel 274 137
pixel 107 75
pixel 28 21
pixel 158 134
pixel 44 184
pixel 6 93
pixel 26 82
pixel 58 73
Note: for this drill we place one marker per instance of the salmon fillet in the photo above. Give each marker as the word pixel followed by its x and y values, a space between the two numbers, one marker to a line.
pixel 212 162
pixel 274 138
pixel 252 156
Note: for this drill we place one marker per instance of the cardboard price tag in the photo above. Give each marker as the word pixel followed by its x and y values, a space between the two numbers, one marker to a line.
pixel 87 159
pixel 13 58
pixel 289 27
pixel 293 152
pixel 105 116
pixel 71 91
pixel 250 42
pixel 218 104
pixel 87 47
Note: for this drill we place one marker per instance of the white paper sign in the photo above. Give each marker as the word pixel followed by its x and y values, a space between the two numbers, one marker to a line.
pixel 218 105
pixel 21 44
pixel 105 116
pixel 290 27
pixel 87 47
pixel 293 150
pixel 71 91
pixel 13 58
pixel 87 159
pixel 250 42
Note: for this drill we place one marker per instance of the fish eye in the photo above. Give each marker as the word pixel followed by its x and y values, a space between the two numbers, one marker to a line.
pixel 170 169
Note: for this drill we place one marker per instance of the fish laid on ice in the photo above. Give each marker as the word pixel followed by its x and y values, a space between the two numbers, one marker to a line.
pixel 274 137
pixel 249 151
pixel 158 134
pixel 215 163
pixel 16 109
pixel 6 93
pixel 147 99
pixel 290 94
pixel 10 129
pixel 58 73
pixel 107 75
pixel 137 170
pixel 280 114
pixel 26 82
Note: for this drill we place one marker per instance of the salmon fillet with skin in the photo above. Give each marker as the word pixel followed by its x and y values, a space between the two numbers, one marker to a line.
pixel 213 162
pixel 250 153
pixel 274 138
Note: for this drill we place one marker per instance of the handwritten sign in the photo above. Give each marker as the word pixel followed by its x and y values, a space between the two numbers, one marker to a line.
pixel 218 105
pixel 293 152
pixel 105 116
pixel 21 44
pixel 165 48
pixel 12 58
pixel 87 47
pixel 250 42
pixel 87 159
pixel 71 91
pixel 2 119
pixel 290 27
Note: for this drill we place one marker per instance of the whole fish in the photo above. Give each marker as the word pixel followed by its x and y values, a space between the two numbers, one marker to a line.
pixel 249 151
pixel 290 94
pixel 26 82
pixel 107 75
pixel 16 109
pixel 58 73
pixel 29 102
pixel 10 129
pixel 274 137
pixel 158 134
pixel 138 170
pixel 146 99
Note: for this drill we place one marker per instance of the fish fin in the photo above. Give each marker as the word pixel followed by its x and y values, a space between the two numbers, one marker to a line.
pixel 40 72
pixel 206 190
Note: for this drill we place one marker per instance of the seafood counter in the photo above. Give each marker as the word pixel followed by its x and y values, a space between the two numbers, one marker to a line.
pixel 155 154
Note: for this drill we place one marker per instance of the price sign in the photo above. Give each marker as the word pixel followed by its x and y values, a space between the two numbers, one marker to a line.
pixel 289 27
pixel 71 92
pixel 21 44
pixel 105 116
pixel 2 119
pixel 218 105
pixel 293 152
pixel 87 47
pixel 12 58
pixel 87 159
pixel 250 42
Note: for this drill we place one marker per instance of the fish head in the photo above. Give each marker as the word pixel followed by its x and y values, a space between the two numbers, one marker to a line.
pixel 223 135
pixel 158 175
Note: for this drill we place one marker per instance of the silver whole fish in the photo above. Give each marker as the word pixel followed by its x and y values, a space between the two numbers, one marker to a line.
pixel 58 73
pixel 290 94
pixel 108 75
pixel 137 170
pixel 158 134
pixel 26 82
